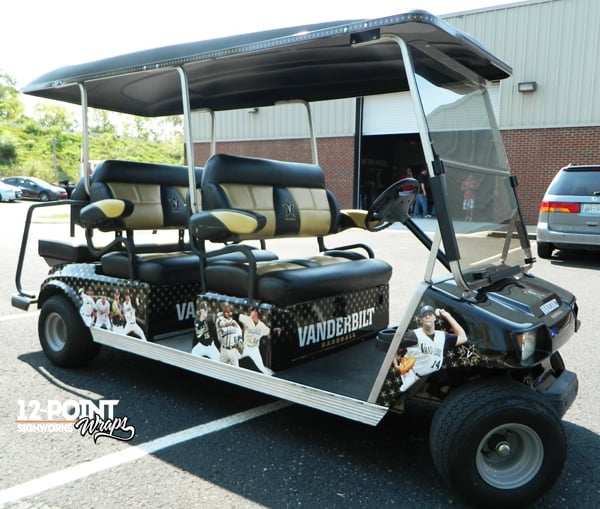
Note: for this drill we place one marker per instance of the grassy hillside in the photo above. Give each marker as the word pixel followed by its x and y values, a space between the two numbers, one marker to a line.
pixel 54 155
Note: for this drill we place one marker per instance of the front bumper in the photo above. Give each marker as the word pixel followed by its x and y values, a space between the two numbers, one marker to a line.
pixel 562 392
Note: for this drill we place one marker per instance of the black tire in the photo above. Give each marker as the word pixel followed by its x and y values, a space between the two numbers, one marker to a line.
pixel 544 250
pixel 44 196
pixel 64 337
pixel 497 444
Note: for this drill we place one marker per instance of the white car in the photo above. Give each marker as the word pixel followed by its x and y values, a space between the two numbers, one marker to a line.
pixel 9 193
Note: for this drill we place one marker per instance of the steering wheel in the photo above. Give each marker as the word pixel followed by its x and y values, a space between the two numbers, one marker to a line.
pixel 392 205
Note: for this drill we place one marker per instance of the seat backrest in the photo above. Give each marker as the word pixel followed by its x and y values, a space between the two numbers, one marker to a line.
pixel 159 193
pixel 291 196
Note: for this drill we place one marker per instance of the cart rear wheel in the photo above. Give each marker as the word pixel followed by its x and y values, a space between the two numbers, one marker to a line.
pixel 65 339
pixel 497 444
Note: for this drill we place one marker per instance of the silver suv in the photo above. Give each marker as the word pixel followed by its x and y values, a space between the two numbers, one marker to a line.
pixel 570 211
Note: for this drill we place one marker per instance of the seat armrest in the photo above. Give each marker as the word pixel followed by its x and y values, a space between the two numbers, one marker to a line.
pixel 353 218
pixel 105 213
pixel 222 225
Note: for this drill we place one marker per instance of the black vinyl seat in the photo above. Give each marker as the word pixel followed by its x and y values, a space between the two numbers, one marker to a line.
pixel 246 198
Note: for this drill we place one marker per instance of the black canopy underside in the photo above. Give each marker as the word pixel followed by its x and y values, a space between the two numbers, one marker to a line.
pixel 311 63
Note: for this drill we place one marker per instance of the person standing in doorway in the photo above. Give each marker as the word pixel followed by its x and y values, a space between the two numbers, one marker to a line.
pixel 421 209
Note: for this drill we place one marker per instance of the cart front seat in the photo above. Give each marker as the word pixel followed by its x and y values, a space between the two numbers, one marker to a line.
pixel 260 199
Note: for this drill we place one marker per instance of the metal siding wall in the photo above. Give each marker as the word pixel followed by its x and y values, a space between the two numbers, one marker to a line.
pixel 389 114
pixel 552 42
pixel 394 113
pixel 330 118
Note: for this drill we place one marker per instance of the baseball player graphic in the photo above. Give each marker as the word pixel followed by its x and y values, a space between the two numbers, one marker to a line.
pixel 230 337
pixel 86 310
pixel 422 350
pixel 254 329
pixel 116 313
pixel 203 343
pixel 130 321
pixel 102 309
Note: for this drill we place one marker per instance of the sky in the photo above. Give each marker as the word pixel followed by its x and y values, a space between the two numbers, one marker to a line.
pixel 38 36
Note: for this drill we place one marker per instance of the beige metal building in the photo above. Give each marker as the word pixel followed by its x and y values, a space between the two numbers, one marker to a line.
pixel 548 111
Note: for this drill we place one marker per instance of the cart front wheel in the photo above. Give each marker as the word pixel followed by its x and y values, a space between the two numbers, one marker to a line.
pixel 497 444
pixel 65 339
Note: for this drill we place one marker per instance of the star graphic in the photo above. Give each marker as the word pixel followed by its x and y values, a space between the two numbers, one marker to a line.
pixel 469 355
pixel 175 203
pixel 289 210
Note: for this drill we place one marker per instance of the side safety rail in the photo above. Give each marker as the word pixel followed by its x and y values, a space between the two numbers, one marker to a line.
pixel 21 299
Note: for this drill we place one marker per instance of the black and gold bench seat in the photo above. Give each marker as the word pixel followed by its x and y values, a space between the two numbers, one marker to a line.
pixel 127 197
pixel 247 198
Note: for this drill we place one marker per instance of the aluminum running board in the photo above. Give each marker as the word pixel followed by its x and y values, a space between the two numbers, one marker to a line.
pixel 336 404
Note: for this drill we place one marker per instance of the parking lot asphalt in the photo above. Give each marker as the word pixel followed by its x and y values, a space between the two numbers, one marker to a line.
pixel 243 449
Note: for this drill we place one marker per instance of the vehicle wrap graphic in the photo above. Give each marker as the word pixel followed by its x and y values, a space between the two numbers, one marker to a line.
pixel 296 332
pixel 435 339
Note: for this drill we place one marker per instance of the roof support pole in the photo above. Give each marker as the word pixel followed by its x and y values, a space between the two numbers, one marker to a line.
pixel 311 131
pixel 84 157
pixel 189 139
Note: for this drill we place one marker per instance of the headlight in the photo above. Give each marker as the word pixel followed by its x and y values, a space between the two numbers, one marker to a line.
pixel 527 343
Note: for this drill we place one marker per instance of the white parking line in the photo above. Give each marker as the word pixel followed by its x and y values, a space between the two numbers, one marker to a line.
pixel 88 468
pixel 495 257
pixel 6 318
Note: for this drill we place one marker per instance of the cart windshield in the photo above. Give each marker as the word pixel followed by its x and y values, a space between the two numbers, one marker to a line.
pixel 479 200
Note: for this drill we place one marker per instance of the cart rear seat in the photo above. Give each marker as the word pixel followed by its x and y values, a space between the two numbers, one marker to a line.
pixel 246 198
pixel 157 195
pixel 130 196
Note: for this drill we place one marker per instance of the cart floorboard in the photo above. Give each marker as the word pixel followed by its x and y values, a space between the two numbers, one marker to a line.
pixel 350 372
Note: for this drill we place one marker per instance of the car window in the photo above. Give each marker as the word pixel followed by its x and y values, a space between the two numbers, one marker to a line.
pixel 576 183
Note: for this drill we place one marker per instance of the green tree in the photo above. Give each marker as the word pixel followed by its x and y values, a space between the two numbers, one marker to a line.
pixel 99 122
pixel 11 107
pixel 54 116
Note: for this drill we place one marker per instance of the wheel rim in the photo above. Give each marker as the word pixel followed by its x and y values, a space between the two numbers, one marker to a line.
pixel 510 456
pixel 55 330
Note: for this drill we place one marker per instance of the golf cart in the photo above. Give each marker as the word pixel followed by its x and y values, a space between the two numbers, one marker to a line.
pixel 481 340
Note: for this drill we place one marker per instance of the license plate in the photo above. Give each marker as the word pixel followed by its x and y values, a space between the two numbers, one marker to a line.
pixel 549 306
pixel 590 208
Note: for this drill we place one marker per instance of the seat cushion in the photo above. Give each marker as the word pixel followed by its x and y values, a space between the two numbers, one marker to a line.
pixel 293 286
pixel 157 268
pixel 287 282
pixel 161 268
pixel 62 251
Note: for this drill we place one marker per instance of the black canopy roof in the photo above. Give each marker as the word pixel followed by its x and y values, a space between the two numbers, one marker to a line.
pixel 311 63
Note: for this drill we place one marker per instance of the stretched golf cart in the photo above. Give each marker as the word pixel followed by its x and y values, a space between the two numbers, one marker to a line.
pixel 481 341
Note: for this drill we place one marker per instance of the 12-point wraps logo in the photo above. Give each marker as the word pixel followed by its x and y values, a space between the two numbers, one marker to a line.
pixel 96 419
